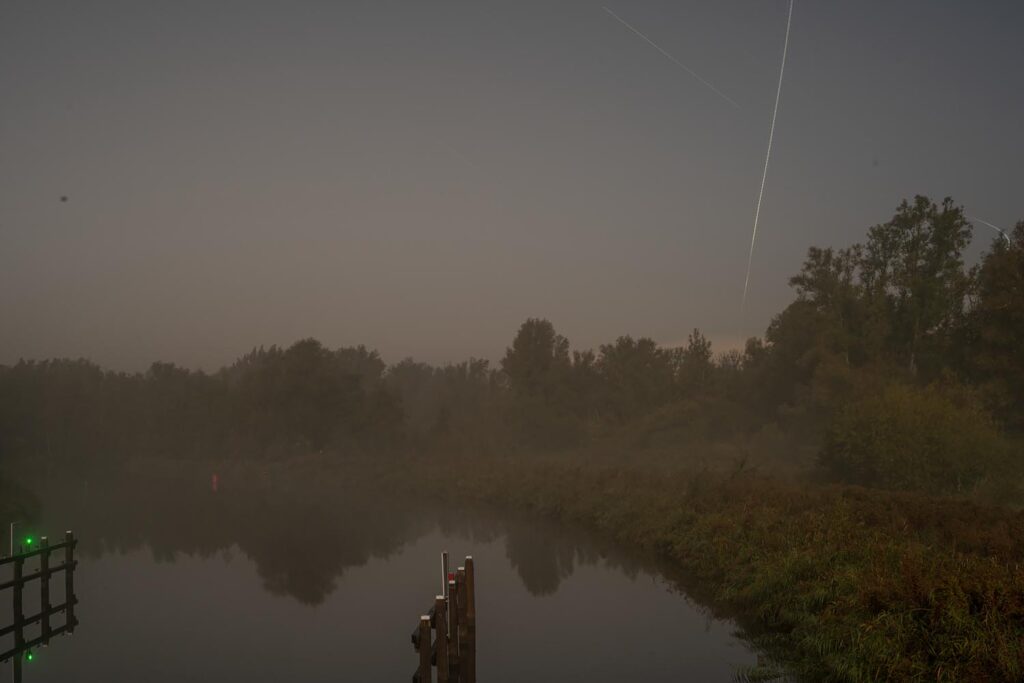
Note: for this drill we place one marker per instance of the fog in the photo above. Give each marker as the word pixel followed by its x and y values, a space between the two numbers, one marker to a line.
pixel 294 298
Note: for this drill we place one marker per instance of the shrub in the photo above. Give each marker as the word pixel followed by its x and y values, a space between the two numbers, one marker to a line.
pixel 915 439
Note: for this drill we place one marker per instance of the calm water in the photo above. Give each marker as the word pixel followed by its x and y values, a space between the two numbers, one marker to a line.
pixel 185 586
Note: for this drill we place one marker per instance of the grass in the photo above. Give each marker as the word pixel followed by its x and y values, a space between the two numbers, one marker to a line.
pixel 833 582
pixel 841 583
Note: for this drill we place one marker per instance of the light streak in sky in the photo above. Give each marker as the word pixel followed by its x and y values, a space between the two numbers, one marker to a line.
pixel 994 227
pixel 764 174
pixel 671 58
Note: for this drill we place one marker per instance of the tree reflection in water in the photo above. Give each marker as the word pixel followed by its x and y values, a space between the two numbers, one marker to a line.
pixel 303 542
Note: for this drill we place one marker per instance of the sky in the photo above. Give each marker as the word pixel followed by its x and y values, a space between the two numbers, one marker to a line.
pixel 421 177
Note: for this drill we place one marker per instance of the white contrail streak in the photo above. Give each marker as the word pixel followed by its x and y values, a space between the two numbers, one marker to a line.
pixel 673 59
pixel 771 136
pixel 994 227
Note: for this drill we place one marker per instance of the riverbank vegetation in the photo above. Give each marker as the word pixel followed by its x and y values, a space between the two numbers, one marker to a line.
pixel 835 582
pixel 849 482
pixel 896 366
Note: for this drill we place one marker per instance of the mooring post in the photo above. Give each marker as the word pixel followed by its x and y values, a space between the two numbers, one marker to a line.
pixel 69 579
pixel 44 587
pixel 470 593
pixel 441 642
pixel 424 670
pixel 444 573
pixel 19 616
pixel 460 581
pixel 453 629
pixel 470 644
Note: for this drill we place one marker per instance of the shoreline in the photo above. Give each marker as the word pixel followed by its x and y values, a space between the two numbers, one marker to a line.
pixel 830 581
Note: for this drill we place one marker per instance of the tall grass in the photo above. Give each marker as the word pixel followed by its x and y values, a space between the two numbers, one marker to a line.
pixel 842 583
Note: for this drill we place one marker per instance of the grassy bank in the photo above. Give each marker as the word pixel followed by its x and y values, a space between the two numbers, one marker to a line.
pixel 835 582
pixel 843 583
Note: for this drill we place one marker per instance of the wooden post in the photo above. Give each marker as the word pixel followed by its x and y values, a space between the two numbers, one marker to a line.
pixel 444 574
pixel 470 593
pixel 441 644
pixel 460 582
pixel 44 587
pixel 470 644
pixel 19 615
pixel 424 671
pixel 69 580
pixel 453 629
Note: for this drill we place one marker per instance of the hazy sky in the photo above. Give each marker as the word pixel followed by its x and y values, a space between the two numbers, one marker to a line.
pixel 422 176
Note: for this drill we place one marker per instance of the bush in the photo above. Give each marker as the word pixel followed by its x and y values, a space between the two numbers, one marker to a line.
pixel 914 439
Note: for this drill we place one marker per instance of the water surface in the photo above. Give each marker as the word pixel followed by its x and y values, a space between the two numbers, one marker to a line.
pixel 192 586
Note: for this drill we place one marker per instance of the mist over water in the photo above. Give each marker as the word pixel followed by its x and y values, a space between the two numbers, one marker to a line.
pixel 185 584
pixel 700 325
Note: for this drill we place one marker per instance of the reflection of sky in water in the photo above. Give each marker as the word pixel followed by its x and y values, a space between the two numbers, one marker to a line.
pixel 550 608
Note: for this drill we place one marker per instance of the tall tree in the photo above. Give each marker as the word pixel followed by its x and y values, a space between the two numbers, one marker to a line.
pixel 538 361
pixel 913 268
pixel 695 364
pixel 637 376
pixel 829 282
pixel 997 326
pixel 538 370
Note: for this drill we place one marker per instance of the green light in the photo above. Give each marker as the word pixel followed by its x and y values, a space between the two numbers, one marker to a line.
pixel 28 540
pixel 29 656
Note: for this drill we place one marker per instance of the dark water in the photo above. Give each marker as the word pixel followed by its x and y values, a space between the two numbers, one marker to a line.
pixel 182 585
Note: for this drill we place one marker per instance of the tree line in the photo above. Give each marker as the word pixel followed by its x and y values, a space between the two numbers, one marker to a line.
pixel 897 363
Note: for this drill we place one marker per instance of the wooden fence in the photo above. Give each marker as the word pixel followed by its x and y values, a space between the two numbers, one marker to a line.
pixel 47 610
pixel 446 636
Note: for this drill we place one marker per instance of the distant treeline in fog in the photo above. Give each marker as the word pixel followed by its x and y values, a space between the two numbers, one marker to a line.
pixel 896 366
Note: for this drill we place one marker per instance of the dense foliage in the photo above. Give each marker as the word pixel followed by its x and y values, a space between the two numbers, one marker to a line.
pixel 910 438
pixel 897 366
pixel 838 583
pixel 270 401
pixel 847 366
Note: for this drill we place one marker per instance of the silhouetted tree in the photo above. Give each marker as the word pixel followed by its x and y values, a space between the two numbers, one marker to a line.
pixel 538 369
pixel 537 363
pixel 996 327
pixel 913 270
pixel 695 363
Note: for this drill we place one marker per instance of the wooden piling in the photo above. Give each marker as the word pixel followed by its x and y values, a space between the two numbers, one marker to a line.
pixel 69 580
pixel 44 587
pixel 444 574
pixel 469 648
pixel 453 628
pixel 460 582
pixel 441 642
pixel 17 584
pixel 470 593
pixel 424 671
pixel 19 614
